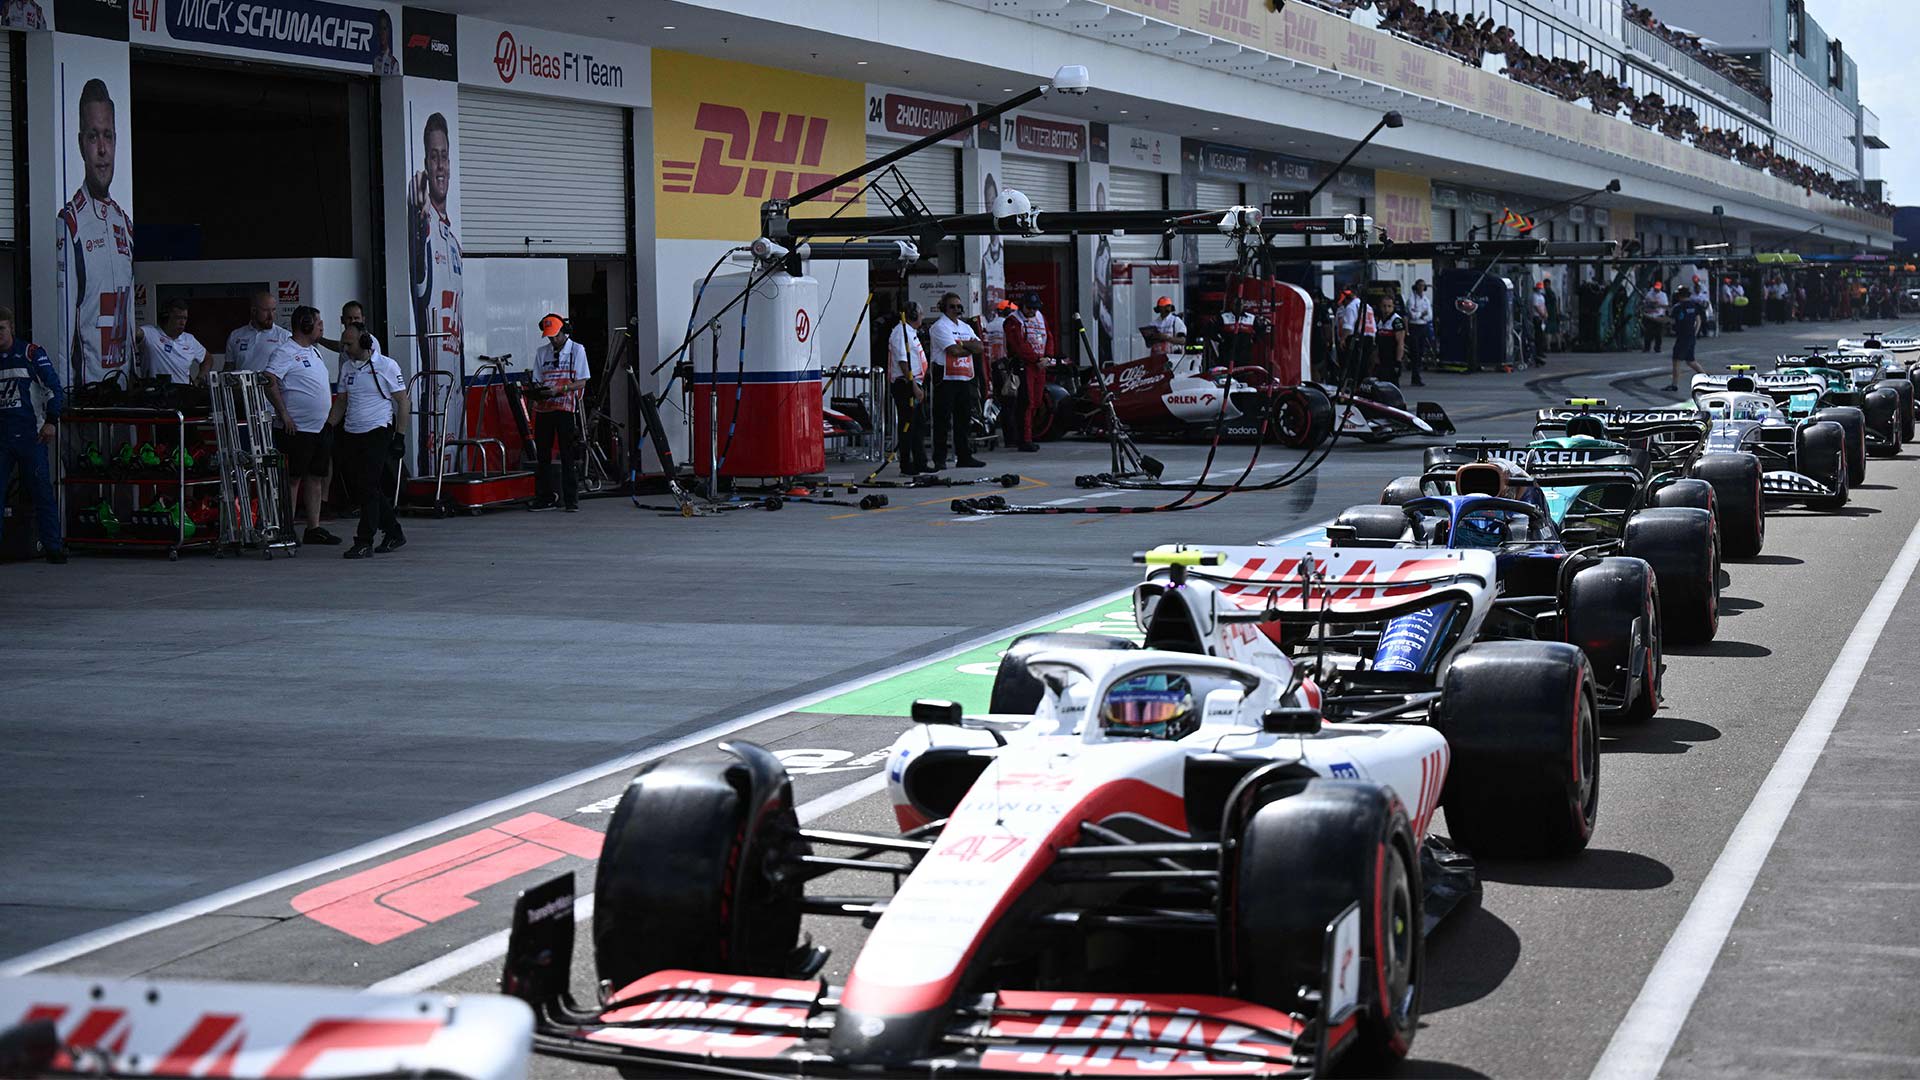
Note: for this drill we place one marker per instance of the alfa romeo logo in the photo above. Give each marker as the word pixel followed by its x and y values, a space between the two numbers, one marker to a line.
pixel 506 53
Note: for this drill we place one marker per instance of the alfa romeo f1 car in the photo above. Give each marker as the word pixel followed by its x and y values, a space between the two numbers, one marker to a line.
pixel 70 1025
pixel 1186 395
pixel 1173 865
pixel 1804 459
pixel 1375 411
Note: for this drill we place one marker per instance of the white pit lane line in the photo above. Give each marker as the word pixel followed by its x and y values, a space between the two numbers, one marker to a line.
pixel 1645 1037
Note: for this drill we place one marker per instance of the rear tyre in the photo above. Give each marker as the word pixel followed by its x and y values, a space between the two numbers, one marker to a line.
pixel 1331 844
pixel 685 877
pixel 1401 491
pixel 1740 506
pixel 1613 615
pixel 1820 452
pixel 1376 523
pixel 1519 718
pixel 1883 419
pixel 1683 547
pixel 1854 423
pixel 1903 389
pixel 1301 417
pixel 1017 691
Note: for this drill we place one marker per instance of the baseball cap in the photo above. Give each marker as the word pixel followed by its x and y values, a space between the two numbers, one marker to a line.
pixel 1032 298
pixel 551 324
pixel 1164 301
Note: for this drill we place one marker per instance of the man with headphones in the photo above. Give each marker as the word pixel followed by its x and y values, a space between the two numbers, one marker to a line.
pixel 561 372
pixel 302 395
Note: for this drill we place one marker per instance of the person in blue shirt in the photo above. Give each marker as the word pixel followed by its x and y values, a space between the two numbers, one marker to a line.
pixel 1688 315
pixel 29 418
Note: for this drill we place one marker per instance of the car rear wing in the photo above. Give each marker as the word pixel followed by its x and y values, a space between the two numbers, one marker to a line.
pixel 1630 423
pixel 71 1024
pixel 1903 344
pixel 1342 584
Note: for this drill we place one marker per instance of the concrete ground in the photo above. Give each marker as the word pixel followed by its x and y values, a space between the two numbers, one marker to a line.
pixel 315 770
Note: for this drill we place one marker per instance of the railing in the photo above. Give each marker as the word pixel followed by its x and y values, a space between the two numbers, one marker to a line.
pixel 1651 44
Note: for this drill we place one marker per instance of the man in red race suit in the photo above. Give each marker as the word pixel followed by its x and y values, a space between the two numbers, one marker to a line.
pixel 1029 344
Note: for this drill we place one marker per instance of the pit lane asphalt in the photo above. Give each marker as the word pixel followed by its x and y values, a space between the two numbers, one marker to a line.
pixel 522 651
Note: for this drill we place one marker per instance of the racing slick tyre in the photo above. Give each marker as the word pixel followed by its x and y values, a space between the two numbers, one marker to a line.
pixel 1903 389
pixel 1740 506
pixel 1683 547
pixel 1062 415
pixel 1301 417
pixel 1016 691
pixel 1374 523
pixel 1613 615
pixel 1820 451
pixel 1331 844
pixel 1854 423
pixel 1686 492
pixel 1401 491
pixel 1883 419
pixel 686 870
pixel 1519 719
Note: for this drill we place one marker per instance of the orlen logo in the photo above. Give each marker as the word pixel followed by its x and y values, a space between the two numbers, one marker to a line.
pixel 794 140
pixel 506 56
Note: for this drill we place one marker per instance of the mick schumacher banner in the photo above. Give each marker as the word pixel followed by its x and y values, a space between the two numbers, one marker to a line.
pixel 728 136
pixel 317 32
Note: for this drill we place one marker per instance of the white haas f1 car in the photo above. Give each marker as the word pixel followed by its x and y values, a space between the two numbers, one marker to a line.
pixel 1172 865
pixel 76 1026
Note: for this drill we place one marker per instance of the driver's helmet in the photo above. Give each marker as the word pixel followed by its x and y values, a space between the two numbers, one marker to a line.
pixel 1150 706
pixel 1480 531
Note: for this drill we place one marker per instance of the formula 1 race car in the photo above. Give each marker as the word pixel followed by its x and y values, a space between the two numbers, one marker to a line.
pixel 1581 504
pixel 73 1025
pixel 1804 459
pixel 1804 385
pixel 1173 865
pixel 1182 395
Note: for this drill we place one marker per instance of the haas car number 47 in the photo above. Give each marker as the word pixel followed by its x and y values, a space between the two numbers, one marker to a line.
pixel 1161 861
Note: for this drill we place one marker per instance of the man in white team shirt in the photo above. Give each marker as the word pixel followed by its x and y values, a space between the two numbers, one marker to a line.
pixel 560 369
pixel 372 412
pixel 907 382
pixel 251 346
pixel 959 351
pixel 302 395
pixel 167 349
pixel 93 253
pixel 434 252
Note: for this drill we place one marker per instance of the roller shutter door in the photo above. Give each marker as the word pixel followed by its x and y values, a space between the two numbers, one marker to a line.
pixel 541 168
pixel 933 172
pixel 1443 225
pixel 1136 189
pixel 1211 194
pixel 8 192
pixel 1048 185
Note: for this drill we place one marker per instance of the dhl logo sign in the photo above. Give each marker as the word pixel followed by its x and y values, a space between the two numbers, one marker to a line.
pixel 771 157
pixel 729 136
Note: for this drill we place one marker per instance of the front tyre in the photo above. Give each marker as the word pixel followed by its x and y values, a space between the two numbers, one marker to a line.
pixel 1854 423
pixel 1883 419
pixel 1331 844
pixel 1613 616
pixel 1301 417
pixel 688 870
pixel 1820 452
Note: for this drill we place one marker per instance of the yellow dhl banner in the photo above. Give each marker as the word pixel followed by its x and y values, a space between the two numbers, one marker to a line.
pixel 727 136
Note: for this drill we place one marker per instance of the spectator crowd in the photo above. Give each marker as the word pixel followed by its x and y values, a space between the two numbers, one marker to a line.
pixel 1471 40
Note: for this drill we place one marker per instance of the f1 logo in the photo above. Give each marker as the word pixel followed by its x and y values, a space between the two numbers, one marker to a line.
pixel 398 897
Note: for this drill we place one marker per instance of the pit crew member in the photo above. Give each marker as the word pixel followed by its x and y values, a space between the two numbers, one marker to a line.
pixel 30 402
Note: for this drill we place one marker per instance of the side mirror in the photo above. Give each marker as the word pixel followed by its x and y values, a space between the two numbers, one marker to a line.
pixel 1291 721
pixel 936 711
pixel 1581 536
pixel 1342 534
